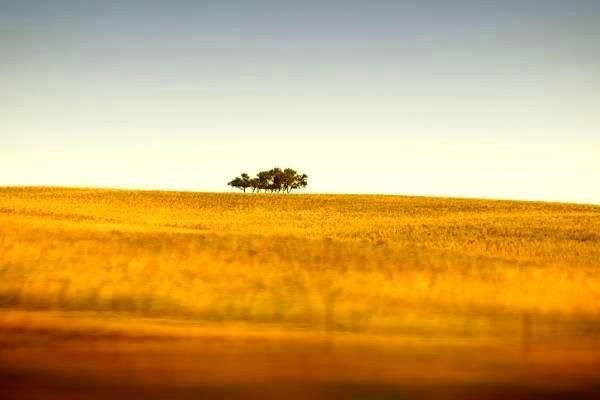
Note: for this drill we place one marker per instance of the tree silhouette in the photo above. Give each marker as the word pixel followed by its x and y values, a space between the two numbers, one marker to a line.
pixel 264 180
pixel 242 182
pixel 245 181
pixel 301 181
pixel 236 183
pixel 273 180
pixel 289 177
pixel 276 179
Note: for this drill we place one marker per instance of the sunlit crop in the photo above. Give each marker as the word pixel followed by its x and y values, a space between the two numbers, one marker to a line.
pixel 377 264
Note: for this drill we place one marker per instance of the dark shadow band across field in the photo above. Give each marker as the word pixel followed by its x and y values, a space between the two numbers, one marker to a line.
pixel 81 357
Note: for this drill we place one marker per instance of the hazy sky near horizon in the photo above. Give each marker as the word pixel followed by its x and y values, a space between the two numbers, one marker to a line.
pixel 462 98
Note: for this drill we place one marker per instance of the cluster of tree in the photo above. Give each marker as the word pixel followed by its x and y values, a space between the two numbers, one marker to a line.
pixel 274 180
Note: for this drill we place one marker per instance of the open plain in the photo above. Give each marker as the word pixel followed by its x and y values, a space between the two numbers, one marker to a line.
pixel 109 293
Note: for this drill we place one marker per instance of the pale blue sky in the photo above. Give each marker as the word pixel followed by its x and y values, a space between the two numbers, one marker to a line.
pixel 464 98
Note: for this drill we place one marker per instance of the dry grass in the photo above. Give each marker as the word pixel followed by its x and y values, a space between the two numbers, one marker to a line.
pixel 437 275
pixel 359 263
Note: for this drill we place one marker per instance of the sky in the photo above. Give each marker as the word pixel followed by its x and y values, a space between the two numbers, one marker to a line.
pixel 463 98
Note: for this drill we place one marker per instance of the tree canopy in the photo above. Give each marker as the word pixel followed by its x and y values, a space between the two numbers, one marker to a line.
pixel 273 180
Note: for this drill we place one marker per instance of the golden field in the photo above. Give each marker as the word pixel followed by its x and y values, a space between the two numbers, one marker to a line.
pixel 381 290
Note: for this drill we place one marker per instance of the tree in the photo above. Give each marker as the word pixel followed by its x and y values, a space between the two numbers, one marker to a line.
pixel 245 181
pixel 300 182
pixel 289 177
pixel 276 179
pixel 237 183
pixel 264 180
pixel 242 182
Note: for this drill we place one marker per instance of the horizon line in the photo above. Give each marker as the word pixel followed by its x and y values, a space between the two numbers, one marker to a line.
pixel 373 194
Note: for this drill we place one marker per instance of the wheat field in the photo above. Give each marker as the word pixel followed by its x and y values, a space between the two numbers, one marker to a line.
pixel 318 293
